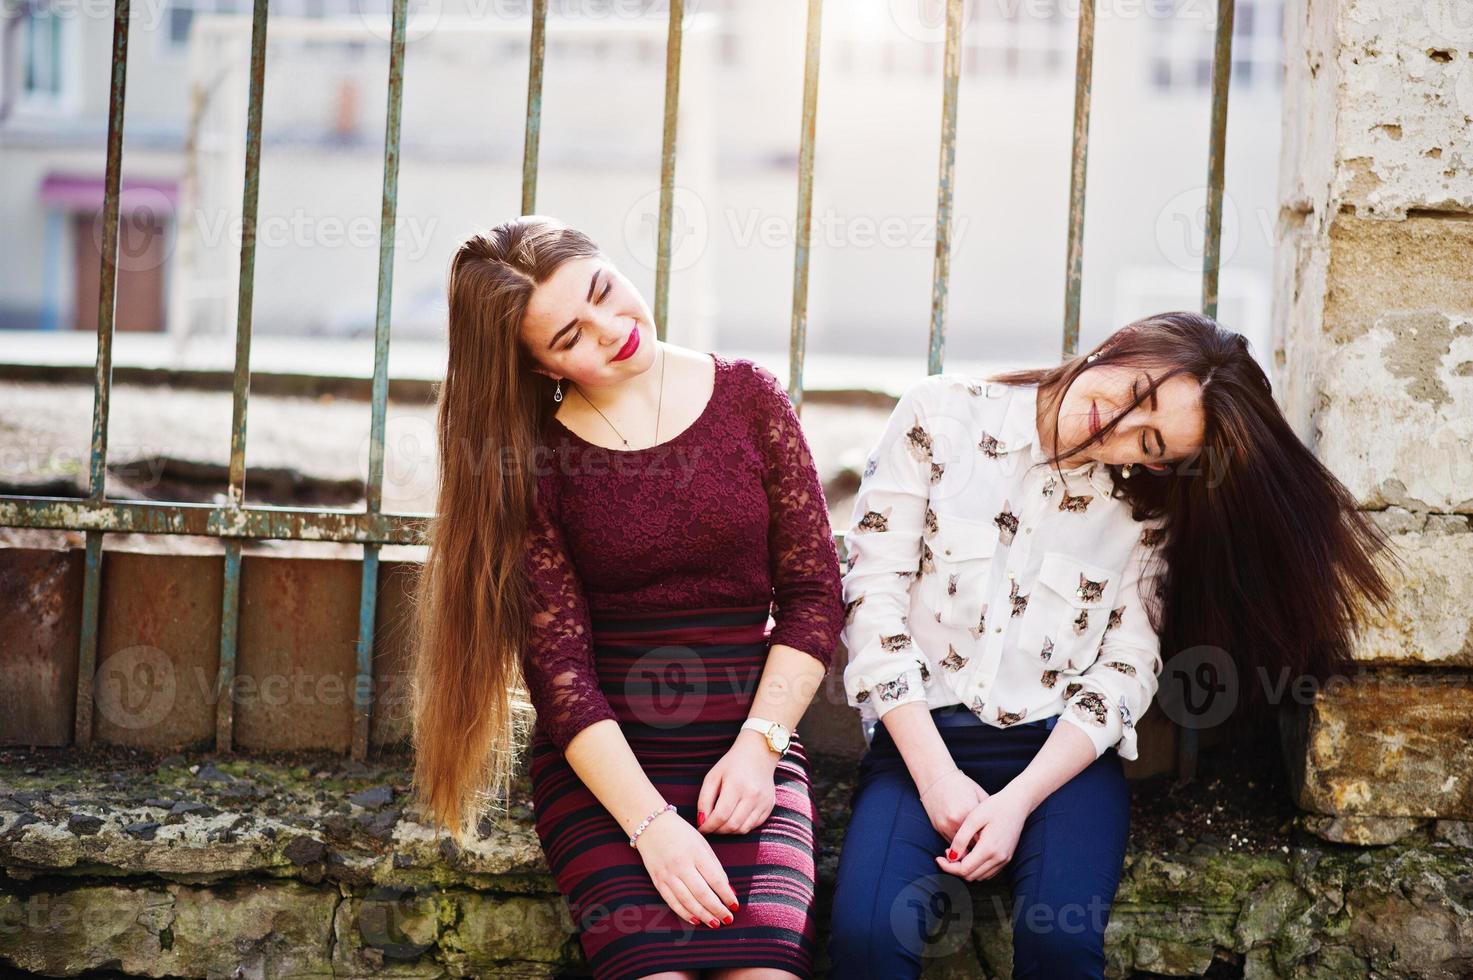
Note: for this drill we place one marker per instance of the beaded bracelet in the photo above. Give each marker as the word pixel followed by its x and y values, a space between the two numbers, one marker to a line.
pixel 646 822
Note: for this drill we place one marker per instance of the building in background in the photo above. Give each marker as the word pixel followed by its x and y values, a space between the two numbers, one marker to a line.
pixel 736 170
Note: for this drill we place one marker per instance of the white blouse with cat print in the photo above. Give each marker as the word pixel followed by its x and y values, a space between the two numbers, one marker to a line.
pixel 976 577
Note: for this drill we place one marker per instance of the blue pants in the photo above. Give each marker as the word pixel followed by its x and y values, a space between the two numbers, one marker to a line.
pixel 891 900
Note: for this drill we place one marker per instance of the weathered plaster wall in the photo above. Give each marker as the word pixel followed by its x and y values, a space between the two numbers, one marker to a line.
pixel 1374 366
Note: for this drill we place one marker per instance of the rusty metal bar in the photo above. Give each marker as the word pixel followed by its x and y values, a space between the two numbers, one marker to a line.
pixel 1187 746
pixel 388 219
pixel 102 391
pixel 206 520
pixel 367 611
pixel 1222 70
pixel 673 40
pixel 235 491
pixel 532 140
pixel 798 336
pixel 1074 262
pixel 945 189
pixel 229 630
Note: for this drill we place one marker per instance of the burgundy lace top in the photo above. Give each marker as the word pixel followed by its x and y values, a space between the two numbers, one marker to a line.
pixel 729 512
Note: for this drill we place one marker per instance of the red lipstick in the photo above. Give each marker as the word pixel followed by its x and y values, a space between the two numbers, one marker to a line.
pixel 630 346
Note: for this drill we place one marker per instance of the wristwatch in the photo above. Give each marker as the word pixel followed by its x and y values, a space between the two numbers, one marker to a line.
pixel 778 737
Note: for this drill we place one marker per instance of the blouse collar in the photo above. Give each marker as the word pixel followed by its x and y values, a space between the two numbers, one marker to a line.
pixel 1019 430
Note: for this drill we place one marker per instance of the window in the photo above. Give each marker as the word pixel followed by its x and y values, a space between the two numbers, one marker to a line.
pixel 181 13
pixel 47 37
pixel 1182 38
pixel 999 38
pixel 1019 39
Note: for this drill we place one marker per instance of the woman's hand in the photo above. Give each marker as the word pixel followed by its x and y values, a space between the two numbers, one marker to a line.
pixel 948 800
pixel 996 823
pixel 738 793
pixel 685 871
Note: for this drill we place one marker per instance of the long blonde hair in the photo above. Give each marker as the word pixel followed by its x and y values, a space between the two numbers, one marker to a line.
pixel 469 714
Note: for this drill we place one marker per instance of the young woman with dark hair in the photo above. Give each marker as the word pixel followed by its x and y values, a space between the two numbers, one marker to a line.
pixel 622 563
pixel 1008 603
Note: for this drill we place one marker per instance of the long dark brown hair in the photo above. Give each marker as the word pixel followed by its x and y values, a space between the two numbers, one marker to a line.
pixel 469 712
pixel 1266 556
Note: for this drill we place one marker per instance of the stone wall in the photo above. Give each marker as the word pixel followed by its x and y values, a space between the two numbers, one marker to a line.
pixel 202 866
pixel 1374 364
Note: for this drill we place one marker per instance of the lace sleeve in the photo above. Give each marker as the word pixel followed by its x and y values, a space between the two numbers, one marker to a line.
pixel 804 565
pixel 558 660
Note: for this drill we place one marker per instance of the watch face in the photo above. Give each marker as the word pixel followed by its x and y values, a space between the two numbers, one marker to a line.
pixel 780 740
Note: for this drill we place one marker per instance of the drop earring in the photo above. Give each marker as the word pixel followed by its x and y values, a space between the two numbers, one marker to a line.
pixel 1125 471
pixel 557 395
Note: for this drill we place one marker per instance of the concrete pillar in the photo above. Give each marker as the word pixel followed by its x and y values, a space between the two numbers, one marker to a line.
pixel 1373 330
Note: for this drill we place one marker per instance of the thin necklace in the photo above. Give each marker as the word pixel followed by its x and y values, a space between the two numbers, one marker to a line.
pixel 659 405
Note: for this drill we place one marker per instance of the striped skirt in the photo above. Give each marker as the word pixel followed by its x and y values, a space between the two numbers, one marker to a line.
pixel 681 684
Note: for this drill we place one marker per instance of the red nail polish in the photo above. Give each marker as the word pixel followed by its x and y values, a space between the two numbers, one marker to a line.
pixel 700 817
pixel 733 906
pixel 950 854
pixel 713 923
pixel 727 919
pixel 694 921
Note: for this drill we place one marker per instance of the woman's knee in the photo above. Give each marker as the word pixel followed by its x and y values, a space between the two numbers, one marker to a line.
pixel 1059 940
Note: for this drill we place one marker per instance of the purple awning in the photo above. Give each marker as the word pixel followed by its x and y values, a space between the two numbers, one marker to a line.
pixel 74 193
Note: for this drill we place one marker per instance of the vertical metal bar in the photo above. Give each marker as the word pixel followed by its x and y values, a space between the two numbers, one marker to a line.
pixel 1074 263
pixel 235 492
pixel 944 186
pixel 388 219
pixel 102 385
pixel 363 686
pixel 229 630
pixel 1222 70
pixel 87 652
pixel 667 164
pixel 531 141
pixel 798 338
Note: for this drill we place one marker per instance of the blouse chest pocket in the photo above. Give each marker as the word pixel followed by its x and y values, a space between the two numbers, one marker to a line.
pixel 956 566
pixel 1068 611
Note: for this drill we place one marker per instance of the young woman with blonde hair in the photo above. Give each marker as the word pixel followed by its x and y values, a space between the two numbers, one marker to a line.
pixel 617 519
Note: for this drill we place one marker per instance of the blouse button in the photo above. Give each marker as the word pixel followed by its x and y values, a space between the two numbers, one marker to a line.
pixel 997 629
pixel 1028 530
